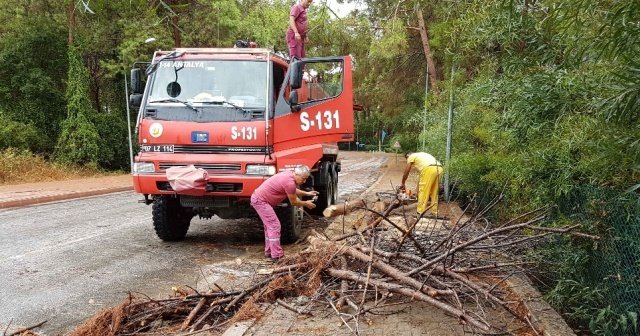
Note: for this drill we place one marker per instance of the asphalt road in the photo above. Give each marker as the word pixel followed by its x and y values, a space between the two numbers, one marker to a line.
pixel 63 262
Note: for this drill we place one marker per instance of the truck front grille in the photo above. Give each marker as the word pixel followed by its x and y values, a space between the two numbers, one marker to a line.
pixel 224 187
pixel 189 149
pixel 211 186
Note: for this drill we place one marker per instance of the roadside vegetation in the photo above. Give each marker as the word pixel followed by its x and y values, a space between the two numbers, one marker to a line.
pixel 22 166
pixel 546 98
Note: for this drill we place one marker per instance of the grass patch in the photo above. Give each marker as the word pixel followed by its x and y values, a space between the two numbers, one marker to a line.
pixel 22 166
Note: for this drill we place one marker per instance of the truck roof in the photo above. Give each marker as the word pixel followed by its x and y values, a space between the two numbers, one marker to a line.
pixel 225 52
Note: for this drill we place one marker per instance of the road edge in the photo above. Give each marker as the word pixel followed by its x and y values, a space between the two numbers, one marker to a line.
pixel 60 197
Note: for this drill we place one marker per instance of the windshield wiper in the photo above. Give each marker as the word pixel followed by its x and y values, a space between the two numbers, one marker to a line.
pixel 221 102
pixel 173 100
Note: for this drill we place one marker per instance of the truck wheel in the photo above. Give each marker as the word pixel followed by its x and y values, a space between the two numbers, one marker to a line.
pixel 290 223
pixel 334 195
pixel 327 196
pixel 170 220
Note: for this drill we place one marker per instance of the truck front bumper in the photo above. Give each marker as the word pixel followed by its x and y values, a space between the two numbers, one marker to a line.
pixel 238 185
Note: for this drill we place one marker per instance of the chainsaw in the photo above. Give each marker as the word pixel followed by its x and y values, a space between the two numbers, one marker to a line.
pixel 405 194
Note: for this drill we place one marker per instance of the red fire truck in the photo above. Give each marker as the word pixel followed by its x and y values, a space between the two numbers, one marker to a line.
pixel 242 115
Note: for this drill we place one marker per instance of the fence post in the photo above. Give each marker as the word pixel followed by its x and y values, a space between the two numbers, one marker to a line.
pixel 449 130
pixel 424 118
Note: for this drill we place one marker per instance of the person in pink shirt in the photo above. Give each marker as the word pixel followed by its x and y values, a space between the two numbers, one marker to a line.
pixel 297 32
pixel 272 192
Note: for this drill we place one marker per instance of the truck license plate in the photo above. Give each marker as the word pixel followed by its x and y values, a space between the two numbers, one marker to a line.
pixel 157 148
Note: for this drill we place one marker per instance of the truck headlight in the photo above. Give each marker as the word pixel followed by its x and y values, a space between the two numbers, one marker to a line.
pixel 261 170
pixel 143 167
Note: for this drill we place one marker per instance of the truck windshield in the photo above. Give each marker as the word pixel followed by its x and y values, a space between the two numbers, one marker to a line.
pixel 219 90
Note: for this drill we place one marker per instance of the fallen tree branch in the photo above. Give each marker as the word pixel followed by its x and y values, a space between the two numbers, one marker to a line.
pixel 387 269
pixel 193 313
pixel 20 331
pixel 292 308
pixel 567 230
pixel 412 294
pixel 475 240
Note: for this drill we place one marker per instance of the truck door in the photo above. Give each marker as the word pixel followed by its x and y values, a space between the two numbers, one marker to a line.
pixel 323 113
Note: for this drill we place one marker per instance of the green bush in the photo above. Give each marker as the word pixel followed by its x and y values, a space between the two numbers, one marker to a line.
pixel 18 135
pixel 113 145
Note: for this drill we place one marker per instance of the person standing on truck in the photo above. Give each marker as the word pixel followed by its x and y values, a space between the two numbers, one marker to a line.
pixel 271 193
pixel 430 171
pixel 297 32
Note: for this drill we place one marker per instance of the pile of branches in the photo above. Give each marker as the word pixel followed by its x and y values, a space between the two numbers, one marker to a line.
pixel 461 269
pixel 188 311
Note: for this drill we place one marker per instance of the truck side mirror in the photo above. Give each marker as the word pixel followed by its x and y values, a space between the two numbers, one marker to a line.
pixel 293 101
pixel 135 100
pixel 295 79
pixel 136 84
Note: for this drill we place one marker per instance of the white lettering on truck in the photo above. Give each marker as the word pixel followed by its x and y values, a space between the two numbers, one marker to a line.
pixel 320 121
pixel 244 133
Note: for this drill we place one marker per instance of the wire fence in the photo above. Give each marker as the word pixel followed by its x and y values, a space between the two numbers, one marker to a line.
pixel 614 266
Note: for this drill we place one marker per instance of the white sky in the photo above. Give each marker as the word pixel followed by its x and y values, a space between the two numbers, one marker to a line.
pixel 341 9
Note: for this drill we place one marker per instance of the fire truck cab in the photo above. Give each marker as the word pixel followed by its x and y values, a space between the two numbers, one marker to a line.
pixel 242 115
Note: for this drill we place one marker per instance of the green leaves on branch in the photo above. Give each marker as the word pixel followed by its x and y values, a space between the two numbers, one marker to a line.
pixel 392 43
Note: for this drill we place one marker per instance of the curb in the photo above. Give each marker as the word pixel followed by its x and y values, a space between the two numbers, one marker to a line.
pixel 60 197
pixel 542 315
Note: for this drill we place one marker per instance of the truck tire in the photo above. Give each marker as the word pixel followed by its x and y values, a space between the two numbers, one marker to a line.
pixel 290 223
pixel 334 195
pixel 326 197
pixel 170 220
pixel 328 193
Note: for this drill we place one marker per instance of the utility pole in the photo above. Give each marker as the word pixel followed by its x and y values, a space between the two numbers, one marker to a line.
pixel 126 95
pixel 379 134
pixel 449 131
pixel 357 138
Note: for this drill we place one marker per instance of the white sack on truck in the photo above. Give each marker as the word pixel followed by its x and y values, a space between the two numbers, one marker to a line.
pixel 188 180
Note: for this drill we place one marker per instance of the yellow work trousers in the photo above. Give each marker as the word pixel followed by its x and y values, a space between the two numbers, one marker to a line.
pixel 428 188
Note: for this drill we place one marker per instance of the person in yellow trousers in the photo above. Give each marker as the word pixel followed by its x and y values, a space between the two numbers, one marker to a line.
pixel 430 171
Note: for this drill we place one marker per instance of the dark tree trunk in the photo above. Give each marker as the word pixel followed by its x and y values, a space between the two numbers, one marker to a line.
pixel 427 53
pixel 177 37
pixel 71 17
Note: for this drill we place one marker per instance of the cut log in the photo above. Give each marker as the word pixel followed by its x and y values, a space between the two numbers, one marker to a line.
pixel 343 208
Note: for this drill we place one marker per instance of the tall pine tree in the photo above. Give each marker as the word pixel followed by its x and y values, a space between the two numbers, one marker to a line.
pixel 78 141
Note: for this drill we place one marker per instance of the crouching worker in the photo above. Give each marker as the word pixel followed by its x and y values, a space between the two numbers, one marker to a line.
pixel 271 193
pixel 430 171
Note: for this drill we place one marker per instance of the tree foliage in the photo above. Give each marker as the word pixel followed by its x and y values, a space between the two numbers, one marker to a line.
pixel 78 141
pixel 546 104
pixel 32 61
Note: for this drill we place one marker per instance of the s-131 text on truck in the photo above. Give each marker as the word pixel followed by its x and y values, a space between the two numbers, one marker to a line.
pixel 236 116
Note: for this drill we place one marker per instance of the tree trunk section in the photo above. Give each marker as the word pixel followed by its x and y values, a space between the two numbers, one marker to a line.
pixel 177 37
pixel 71 17
pixel 427 53
pixel 343 208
